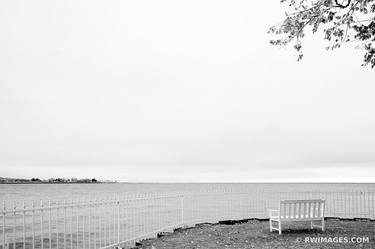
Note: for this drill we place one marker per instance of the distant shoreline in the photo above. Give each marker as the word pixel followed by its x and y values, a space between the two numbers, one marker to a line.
pixel 4 180
pixel 109 182
pixel 57 182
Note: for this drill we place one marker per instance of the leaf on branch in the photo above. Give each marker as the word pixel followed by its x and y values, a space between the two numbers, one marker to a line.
pixel 340 21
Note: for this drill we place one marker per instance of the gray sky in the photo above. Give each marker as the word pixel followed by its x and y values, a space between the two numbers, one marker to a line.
pixel 177 91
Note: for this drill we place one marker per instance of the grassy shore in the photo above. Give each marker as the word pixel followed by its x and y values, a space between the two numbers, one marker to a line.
pixel 255 234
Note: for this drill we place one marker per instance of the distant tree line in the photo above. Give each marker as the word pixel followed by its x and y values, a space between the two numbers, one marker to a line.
pixel 51 180
pixel 72 180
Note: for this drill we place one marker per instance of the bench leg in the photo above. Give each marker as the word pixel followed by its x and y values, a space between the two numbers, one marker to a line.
pixel 322 225
pixel 270 225
pixel 278 228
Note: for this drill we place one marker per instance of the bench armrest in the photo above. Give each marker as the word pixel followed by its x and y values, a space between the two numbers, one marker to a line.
pixel 273 213
pixel 273 210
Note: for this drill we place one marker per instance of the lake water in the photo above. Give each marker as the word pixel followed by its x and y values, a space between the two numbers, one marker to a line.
pixel 98 224
pixel 20 192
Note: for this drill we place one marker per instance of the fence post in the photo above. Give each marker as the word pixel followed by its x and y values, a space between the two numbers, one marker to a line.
pixel 65 223
pixel 32 224
pixel 95 221
pixel 41 224
pixel 14 223
pixel 4 228
pixel 23 225
pixel 49 224
pixel 118 220
pixel 182 209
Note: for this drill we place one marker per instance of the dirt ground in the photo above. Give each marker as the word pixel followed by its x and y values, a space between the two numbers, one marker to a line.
pixel 256 234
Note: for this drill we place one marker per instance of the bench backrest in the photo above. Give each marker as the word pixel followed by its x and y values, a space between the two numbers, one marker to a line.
pixel 301 209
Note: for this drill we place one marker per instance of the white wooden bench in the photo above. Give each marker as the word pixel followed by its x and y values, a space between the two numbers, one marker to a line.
pixel 298 210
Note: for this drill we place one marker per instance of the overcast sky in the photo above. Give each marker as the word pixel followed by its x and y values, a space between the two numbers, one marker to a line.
pixel 177 91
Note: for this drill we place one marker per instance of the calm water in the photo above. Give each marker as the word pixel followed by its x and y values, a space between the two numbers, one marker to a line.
pixel 73 227
pixel 20 192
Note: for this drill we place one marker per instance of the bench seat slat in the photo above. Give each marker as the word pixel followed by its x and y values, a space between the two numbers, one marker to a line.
pixel 300 210
pixel 299 219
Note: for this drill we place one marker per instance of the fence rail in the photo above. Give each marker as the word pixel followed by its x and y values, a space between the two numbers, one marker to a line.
pixel 120 221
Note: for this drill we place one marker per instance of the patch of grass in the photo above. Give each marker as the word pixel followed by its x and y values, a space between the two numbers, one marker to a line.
pixel 256 234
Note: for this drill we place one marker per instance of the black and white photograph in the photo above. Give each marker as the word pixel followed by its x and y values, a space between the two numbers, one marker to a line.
pixel 175 124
